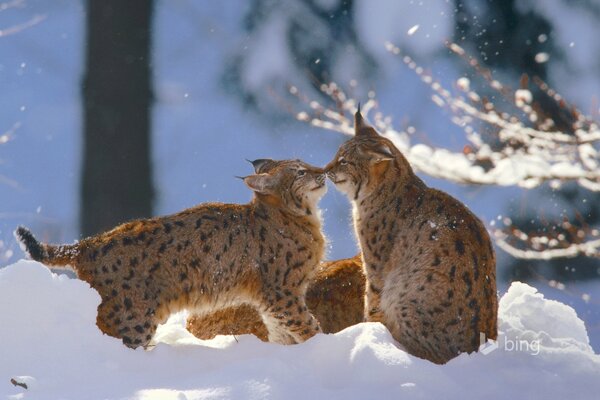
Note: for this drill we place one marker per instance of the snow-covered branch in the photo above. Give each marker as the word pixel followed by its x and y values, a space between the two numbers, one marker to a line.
pixel 527 150
pixel 560 240
pixel 521 145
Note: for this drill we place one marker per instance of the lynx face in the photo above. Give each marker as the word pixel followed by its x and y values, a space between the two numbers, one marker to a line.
pixel 294 184
pixel 359 164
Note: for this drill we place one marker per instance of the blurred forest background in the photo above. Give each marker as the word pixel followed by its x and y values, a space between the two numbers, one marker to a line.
pixel 112 110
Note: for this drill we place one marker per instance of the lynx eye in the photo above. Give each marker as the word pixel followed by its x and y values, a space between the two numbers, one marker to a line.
pixel 342 161
pixel 301 172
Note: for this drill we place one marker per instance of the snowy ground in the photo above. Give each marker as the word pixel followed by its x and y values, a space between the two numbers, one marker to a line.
pixel 202 132
pixel 49 341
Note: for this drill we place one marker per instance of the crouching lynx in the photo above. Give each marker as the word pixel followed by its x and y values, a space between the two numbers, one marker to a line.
pixel 335 296
pixel 429 262
pixel 208 257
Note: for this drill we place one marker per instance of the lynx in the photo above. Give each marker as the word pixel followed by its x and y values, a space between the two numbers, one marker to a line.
pixel 335 296
pixel 206 258
pixel 429 262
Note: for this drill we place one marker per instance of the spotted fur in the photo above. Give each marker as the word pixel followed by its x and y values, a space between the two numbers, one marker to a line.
pixel 429 262
pixel 335 296
pixel 206 258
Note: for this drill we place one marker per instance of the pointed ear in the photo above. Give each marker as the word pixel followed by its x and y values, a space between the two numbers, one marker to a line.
pixel 259 163
pixel 381 152
pixel 361 128
pixel 261 183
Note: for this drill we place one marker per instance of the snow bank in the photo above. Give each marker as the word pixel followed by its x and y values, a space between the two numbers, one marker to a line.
pixel 48 340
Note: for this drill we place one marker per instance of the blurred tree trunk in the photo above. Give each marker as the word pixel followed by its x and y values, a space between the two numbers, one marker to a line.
pixel 117 170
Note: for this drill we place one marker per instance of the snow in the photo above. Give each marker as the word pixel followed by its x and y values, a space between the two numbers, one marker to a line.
pixel 463 84
pixel 196 121
pixel 412 30
pixel 50 343
pixel 542 57
pixel 523 96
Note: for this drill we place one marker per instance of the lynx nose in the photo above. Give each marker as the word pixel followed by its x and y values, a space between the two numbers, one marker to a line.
pixel 321 178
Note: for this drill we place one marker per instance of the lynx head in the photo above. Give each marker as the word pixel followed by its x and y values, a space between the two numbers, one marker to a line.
pixel 362 163
pixel 290 184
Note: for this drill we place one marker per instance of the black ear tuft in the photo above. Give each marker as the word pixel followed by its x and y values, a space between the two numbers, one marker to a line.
pixel 361 128
pixel 259 163
pixel 358 119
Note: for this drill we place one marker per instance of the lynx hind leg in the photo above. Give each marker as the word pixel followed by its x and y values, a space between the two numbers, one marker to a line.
pixel 435 332
pixel 135 324
pixel 289 321
pixel 335 295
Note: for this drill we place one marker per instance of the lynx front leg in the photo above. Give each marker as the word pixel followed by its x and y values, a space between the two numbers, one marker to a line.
pixel 134 322
pixel 289 321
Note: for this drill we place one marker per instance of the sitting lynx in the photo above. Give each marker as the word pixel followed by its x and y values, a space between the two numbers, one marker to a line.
pixel 335 296
pixel 429 262
pixel 208 257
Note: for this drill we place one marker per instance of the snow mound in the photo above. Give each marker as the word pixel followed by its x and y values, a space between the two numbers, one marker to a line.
pixel 49 341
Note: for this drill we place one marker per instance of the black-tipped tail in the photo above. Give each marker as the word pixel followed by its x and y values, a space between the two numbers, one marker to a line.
pixel 30 244
pixel 44 253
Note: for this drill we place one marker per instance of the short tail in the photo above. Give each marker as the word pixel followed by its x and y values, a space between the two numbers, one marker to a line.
pixel 64 255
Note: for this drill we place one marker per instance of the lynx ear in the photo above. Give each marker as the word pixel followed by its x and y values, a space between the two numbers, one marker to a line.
pixel 259 163
pixel 261 183
pixel 361 128
pixel 382 152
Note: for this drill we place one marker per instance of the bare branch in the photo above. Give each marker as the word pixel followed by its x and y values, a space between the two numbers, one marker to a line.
pixel 36 19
